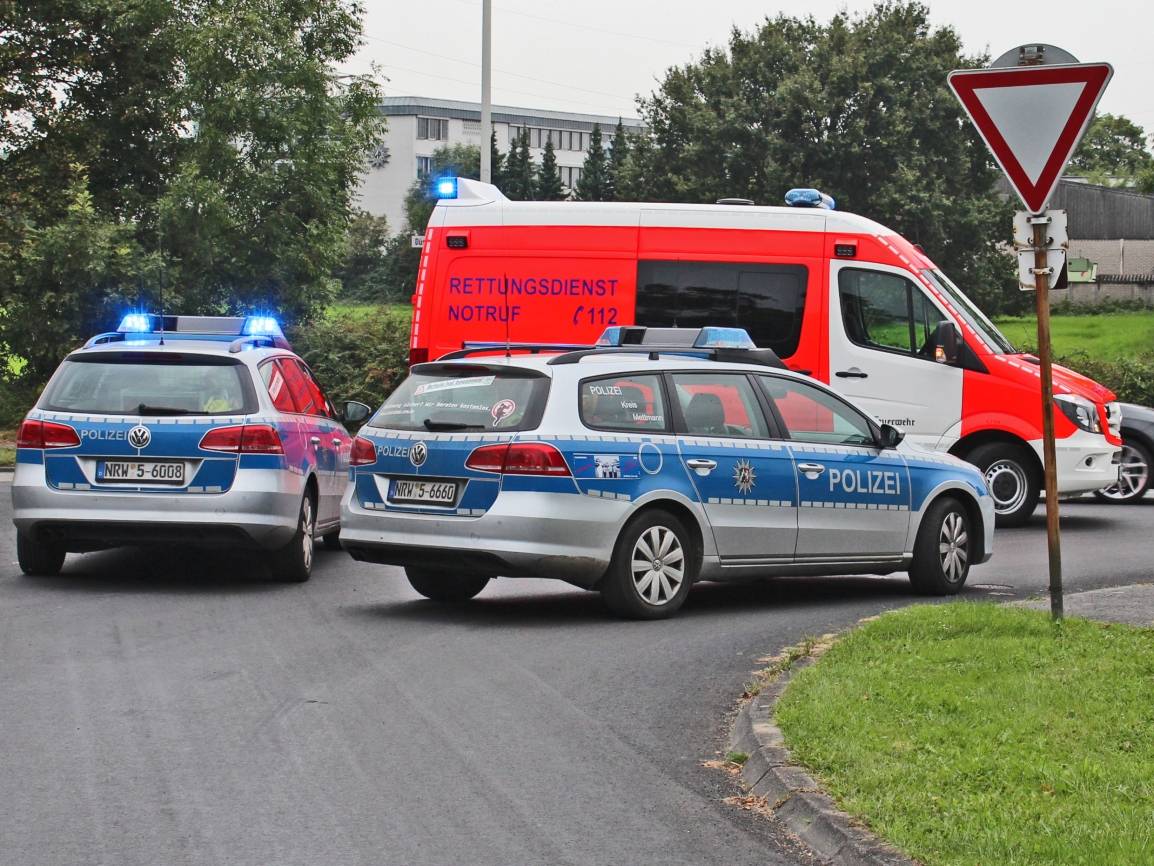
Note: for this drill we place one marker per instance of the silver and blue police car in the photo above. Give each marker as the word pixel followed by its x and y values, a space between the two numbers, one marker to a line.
pixel 186 430
pixel 637 468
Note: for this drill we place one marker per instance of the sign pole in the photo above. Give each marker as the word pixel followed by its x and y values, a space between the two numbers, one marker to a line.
pixel 1053 531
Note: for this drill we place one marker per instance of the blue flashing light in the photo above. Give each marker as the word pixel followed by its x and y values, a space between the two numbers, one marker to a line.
pixel 445 187
pixel 724 338
pixel 809 198
pixel 261 326
pixel 136 323
pixel 610 337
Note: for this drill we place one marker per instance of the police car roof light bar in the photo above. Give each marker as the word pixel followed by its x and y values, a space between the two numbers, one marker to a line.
pixel 721 354
pixel 469 349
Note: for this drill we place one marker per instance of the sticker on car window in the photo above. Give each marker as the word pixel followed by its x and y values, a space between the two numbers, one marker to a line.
pixel 624 467
pixel 502 409
pixel 449 384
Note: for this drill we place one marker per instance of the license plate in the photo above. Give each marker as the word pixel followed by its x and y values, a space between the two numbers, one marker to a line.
pixel 139 472
pixel 432 491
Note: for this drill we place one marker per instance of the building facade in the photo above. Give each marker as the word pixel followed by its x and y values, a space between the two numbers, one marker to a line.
pixel 417 127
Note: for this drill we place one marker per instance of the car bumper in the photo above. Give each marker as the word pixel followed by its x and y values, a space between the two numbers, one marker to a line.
pixel 989 519
pixel 563 536
pixel 261 509
pixel 1084 462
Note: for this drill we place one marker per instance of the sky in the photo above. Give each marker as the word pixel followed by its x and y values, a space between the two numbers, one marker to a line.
pixel 595 56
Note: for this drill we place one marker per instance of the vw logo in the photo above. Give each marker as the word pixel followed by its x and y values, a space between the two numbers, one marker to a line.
pixel 418 454
pixel 139 436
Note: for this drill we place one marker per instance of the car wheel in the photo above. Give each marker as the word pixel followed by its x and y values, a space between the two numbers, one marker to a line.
pixel 38 559
pixel 1133 475
pixel 293 563
pixel 1012 480
pixel 943 549
pixel 652 568
pixel 445 586
pixel 332 540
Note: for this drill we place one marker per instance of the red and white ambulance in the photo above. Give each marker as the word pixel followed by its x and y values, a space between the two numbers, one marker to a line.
pixel 836 295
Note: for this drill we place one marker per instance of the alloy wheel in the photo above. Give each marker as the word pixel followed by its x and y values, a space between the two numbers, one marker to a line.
pixel 953 546
pixel 658 565
pixel 1133 474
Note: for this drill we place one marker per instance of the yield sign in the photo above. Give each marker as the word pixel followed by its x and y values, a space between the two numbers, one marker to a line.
pixel 1032 118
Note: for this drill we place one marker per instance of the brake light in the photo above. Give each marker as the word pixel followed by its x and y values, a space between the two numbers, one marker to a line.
pixel 363 453
pixel 519 458
pixel 46 434
pixel 243 439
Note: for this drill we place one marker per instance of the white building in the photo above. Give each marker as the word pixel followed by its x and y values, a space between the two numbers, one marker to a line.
pixel 417 127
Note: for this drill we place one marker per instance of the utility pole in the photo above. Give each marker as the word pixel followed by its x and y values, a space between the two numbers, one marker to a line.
pixel 486 91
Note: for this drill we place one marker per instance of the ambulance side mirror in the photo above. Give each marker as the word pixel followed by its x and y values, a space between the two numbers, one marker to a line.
pixel 890 436
pixel 946 342
pixel 354 413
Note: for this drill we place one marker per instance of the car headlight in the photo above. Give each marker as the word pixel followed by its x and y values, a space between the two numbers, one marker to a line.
pixel 1082 412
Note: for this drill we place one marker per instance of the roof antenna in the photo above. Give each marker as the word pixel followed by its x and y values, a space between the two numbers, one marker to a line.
pixel 160 286
pixel 508 344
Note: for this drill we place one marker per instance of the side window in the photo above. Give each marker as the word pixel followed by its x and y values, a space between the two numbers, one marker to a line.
pixel 316 395
pixel 278 390
pixel 767 300
pixel 298 385
pixel 627 403
pixel 719 404
pixel 887 311
pixel 812 415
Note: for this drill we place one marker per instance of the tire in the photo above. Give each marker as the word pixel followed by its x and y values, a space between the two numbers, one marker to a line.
pixel 38 559
pixel 332 540
pixel 653 566
pixel 943 549
pixel 1012 478
pixel 1133 475
pixel 293 563
pixel 444 586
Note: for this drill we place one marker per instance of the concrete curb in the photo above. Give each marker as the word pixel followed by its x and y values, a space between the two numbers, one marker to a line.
pixel 792 795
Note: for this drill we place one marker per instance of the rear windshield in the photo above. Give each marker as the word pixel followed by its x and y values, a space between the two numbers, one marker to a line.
pixel 150 384
pixel 466 398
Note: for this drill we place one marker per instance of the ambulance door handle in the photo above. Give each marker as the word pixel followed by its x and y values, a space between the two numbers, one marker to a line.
pixel 851 373
pixel 811 468
pixel 700 466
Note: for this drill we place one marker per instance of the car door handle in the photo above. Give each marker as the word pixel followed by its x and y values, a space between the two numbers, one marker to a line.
pixel 851 373
pixel 811 468
pixel 700 466
pixel 337 443
pixel 315 440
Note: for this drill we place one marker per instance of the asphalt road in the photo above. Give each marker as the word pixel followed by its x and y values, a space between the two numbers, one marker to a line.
pixel 179 708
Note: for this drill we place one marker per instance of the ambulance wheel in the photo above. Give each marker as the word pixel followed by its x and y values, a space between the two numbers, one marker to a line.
pixel 943 549
pixel 1012 479
pixel 652 568
pixel 332 540
pixel 38 559
pixel 444 586
pixel 293 563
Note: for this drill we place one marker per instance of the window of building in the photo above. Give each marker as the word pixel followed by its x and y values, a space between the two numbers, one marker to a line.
pixel 424 166
pixel 432 128
pixel 767 300
pixel 887 311
pixel 534 137
pixel 471 127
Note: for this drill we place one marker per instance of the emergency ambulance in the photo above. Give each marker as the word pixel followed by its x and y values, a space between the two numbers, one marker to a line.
pixel 836 296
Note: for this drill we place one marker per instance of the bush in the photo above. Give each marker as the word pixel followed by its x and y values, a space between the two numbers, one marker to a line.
pixel 1132 379
pixel 1107 305
pixel 356 355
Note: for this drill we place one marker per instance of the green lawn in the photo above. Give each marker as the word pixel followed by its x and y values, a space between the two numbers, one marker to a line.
pixel 1103 336
pixel 7 456
pixel 357 311
pixel 972 734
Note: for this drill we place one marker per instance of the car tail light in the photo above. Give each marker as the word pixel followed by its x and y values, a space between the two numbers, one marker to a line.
pixel 519 458
pixel 243 439
pixel 363 453
pixel 46 434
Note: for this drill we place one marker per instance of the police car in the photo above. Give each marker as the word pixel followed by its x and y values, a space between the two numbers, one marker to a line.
pixel 182 429
pixel 639 467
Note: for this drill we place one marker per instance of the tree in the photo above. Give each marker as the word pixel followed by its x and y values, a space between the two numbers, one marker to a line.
pixel 199 150
pixel 617 159
pixel 1113 152
pixel 362 272
pixel 519 174
pixel 858 107
pixel 594 182
pixel 496 162
pixel 548 185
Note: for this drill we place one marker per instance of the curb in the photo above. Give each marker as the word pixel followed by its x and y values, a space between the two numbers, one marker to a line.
pixel 792 795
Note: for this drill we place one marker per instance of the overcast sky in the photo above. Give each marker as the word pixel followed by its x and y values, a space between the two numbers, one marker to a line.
pixel 595 56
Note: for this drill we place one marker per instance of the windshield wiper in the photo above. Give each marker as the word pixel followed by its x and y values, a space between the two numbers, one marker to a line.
pixel 145 409
pixel 430 424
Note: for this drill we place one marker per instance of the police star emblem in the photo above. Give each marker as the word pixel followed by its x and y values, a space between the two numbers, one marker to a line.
pixel 744 478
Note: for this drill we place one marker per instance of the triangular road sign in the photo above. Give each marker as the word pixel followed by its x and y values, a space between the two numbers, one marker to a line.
pixel 1032 118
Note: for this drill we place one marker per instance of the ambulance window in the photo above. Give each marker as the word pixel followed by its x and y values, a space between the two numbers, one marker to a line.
pixel 887 311
pixel 629 403
pixel 767 300
pixel 812 415
pixel 719 404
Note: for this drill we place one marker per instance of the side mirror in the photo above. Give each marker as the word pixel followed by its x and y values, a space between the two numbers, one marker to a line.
pixel 354 412
pixel 891 436
pixel 946 342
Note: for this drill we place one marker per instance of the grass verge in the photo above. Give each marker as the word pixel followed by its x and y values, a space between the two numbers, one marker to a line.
pixel 7 449
pixel 1106 335
pixel 972 734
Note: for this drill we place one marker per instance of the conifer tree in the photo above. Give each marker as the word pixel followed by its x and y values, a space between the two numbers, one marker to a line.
pixel 549 186
pixel 617 157
pixel 497 162
pixel 519 179
pixel 594 174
